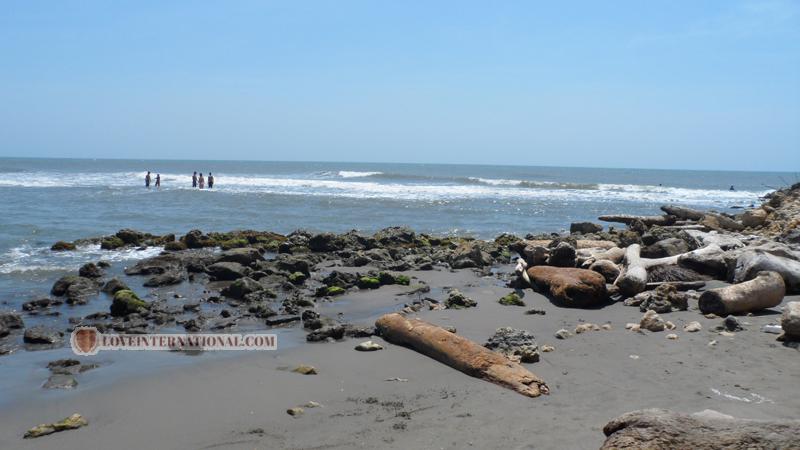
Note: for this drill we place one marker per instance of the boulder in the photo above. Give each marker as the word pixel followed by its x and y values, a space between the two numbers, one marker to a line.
pixel 584 228
pixel 196 239
pixel 40 303
pixel 155 265
pixel 790 321
pixel 241 287
pixel 165 279
pixel 245 256
pixel 395 236
pixel 606 268
pixel 470 255
pixel 570 286
pixel 113 285
pixel 457 300
pixel 293 264
pixel 11 320
pixel 517 345
pixel 130 237
pixel 127 302
pixel 111 243
pixel 42 335
pixel 226 271
pixel 754 218
pixel 535 255
pixel 664 248
pixel 62 246
pixel 751 262
pixel 563 255
pixel 651 321
pixel 79 289
pixel 339 279
pixel 709 260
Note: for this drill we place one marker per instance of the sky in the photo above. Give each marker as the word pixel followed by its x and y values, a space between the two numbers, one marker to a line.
pixel 655 84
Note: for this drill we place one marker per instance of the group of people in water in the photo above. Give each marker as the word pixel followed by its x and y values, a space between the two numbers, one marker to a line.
pixel 197 181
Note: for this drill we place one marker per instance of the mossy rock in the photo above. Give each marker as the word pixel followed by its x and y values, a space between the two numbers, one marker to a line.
pixel 388 278
pixel 333 290
pixel 175 246
pixel 402 280
pixel 62 246
pixel 511 299
pixel 127 302
pixel 297 278
pixel 111 243
pixel 369 283
pixel 234 243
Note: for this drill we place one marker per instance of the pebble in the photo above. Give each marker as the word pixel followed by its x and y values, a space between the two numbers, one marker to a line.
pixel 563 334
pixel 305 370
pixel 548 348
pixel 312 404
pixel 712 343
pixel 672 336
pixel 295 412
pixel 606 326
pixel 368 346
pixel 692 327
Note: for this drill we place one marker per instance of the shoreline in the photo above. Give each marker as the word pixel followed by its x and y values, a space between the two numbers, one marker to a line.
pixel 240 401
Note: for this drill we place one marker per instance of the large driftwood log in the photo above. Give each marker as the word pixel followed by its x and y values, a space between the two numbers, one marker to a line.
pixel 647 220
pixel 582 243
pixel 660 429
pixel 683 212
pixel 633 278
pixel 764 291
pixel 460 353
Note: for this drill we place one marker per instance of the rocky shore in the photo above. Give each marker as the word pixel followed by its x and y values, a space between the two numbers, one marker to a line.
pixel 687 310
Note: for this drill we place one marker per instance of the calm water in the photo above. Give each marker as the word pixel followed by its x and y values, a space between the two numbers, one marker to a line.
pixel 42 201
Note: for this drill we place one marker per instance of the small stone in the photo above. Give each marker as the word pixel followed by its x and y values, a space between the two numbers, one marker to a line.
pixel 606 327
pixel 669 325
pixel 368 346
pixel 651 321
pixel 730 324
pixel 672 336
pixel 726 333
pixel 61 381
pixel 457 300
pixel 511 299
pixel 536 311
pixel 563 334
pixel 692 327
pixel 296 411
pixel 630 325
pixel 305 370
pixel 584 327
pixel 710 316
pixel 548 348
pixel 712 343
pixel 450 328
pixel 312 404
pixel 634 356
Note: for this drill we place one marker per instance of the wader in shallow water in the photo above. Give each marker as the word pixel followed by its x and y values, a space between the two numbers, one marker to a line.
pixel 147 180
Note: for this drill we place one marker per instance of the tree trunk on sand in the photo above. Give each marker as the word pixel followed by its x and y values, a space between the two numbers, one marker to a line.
pixel 633 278
pixel 660 429
pixel 764 291
pixel 647 220
pixel 682 212
pixel 460 353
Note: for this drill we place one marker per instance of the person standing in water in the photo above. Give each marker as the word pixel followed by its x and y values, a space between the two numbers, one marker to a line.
pixel 194 179
pixel 200 181
pixel 158 180
pixel 210 180
pixel 147 180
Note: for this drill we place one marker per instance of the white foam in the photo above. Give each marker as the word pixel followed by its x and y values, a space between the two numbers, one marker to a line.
pixel 481 188
pixel 41 259
pixel 355 174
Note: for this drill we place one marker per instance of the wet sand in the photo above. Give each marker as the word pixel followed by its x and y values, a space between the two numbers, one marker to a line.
pixel 241 402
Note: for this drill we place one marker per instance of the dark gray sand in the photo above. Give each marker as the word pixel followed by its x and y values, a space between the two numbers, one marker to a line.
pixel 241 402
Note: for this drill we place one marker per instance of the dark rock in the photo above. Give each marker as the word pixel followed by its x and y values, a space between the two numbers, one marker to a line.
pixel 114 285
pixel 226 271
pixel 241 287
pixel 165 279
pixel 262 295
pixel 4 331
pixel 61 381
pixel 90 270
pixel 730 323
pixel 130 237
pixel 111 243
pixel 81 288
pixel 355 331
pixel 261 311
pixel 244 256
pixel 709 261
pixel 457 300
pixel 663 299
pixel 40 303
pixel 333 332
pixel 127 302
pixel 11 320
pixel 466 256
pixel 293 264
pixel 585 228
pixel 196 239
pixel 671 272
pixel 343 280
pixel 518 345
pixel 62 246
pixel 281 320
pixel 395 236
pixel 156 265
pixel 607 269
pixel 42 335
pixel 664 248
pixel 175 246
pixel 562 255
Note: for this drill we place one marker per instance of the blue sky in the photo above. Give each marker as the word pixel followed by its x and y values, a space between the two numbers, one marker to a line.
pixel 672 84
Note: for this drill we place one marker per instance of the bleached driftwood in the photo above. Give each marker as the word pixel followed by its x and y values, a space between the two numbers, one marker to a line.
pixel 460 353
pixel 633 278
pixel 764 291
pixel 683 212
pixel 582 243
pixel 647 220
pixel 660 429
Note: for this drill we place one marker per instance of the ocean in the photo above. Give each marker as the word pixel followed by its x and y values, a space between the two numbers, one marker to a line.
pixel 46 200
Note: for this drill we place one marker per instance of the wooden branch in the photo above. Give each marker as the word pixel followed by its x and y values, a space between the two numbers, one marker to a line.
pixel 633 277
pixel 660 429
pixel 764 291
pixel 460 353
pixel 682 212
pixel 582 243
pixel 647 220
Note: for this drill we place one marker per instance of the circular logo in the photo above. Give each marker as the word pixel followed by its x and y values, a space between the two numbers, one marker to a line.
pixel 84 341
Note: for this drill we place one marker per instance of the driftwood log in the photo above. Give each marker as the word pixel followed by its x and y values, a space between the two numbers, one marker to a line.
pixel 647 220
pixel 582 243
pixel 633 278
pixel 460 353
pixel 660 429
pixel 766 290
pixel 683 212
